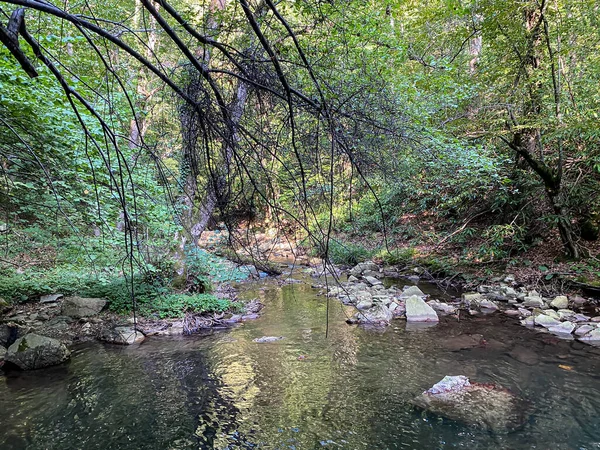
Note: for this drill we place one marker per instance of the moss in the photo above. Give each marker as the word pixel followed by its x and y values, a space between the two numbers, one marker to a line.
pixel 23 345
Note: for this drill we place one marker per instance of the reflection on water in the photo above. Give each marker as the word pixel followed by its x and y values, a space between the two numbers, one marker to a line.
pixel 350 390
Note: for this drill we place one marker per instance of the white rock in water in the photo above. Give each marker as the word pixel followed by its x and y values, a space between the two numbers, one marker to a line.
pixel 419 311
pixel 488 406
pixel 409 291
pixel 449 383
pixel 563 328
pixel 546 321
pixel 560 302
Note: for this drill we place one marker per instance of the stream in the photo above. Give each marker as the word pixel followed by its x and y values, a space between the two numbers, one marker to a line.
pixel 348 390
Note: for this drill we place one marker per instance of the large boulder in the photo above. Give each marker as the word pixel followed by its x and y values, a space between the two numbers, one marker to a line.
pixel 122 335
pixel 78 307
pixel 484 405
pixel 419 311
pixel 33 351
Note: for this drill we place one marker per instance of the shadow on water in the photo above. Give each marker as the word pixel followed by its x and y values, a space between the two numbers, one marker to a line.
pixel 350 390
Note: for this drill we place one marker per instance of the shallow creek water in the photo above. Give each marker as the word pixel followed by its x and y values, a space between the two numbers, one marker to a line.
pixel 348 390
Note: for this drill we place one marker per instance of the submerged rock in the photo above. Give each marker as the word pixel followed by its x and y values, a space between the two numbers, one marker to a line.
pixel 488 406
pixel 419 311
pixel 266 339
pixel 122 336
pixel 78 307
pixel 34 351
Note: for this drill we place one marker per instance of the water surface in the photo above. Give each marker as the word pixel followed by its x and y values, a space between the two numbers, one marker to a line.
pixel 349 390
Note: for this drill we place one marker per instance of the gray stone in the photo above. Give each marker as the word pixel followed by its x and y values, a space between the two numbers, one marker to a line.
pixel 524 312
pixel 472 297
pixel 509 292
pixel 419 311
pixel 563 328
pixel 78 307
pixel 409 291
pixel 122 336
pixel 591 337
pixel 533 302
pixel 488 304
pixel 3 351
pixel 352 279
pixel 364 304
pixel 584 329
pixel 552 313
pixel 560 302
pixel 565 314
pixel 546 321
pixel 487 406
pixel 377 315
pixel 372 281
pixel 372 273
pixel 33 351
pixel 528 322
pixel 362 267
pixel 50 298
pixel 442 308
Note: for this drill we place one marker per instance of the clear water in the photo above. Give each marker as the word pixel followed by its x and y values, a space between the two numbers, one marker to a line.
pixel 350 390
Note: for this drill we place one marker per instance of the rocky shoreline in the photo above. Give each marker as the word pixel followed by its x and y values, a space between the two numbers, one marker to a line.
pixel 567 317
pixel 37 334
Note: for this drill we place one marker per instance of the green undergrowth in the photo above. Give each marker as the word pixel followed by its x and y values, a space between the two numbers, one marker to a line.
pixel 152 289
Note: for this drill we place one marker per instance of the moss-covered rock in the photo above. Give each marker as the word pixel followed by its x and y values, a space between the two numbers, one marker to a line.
pixel 34 351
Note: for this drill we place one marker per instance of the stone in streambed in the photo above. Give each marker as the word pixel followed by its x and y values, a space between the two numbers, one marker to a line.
pixel 122 336
pixel 377 315
pixel 372 280
pixel 419 311
pixel 533 302
pixel 565 328
pixel 409 291
pixel 546 321
pixel 584 329
pixel 34 351
pixel 560 302
pixel 488 406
